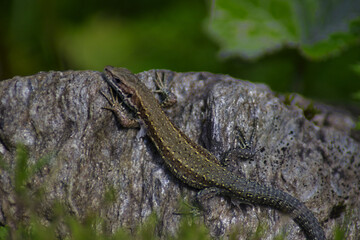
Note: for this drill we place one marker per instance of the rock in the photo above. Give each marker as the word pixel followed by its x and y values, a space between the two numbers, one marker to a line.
pixel 82 154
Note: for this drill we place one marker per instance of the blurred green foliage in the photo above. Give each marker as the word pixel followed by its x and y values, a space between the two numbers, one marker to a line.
pixel 309 47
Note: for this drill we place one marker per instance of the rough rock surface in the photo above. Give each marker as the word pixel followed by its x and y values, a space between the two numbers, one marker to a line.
pixel 59 115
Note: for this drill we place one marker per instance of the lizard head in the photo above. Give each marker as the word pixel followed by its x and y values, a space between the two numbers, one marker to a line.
pixel 125 84
pixel 119 80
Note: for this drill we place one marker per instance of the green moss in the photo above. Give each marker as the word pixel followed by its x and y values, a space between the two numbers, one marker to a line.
pixel 288 99
pixel 310 111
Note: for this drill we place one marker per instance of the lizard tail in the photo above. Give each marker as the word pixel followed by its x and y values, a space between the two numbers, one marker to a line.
pixel 250 191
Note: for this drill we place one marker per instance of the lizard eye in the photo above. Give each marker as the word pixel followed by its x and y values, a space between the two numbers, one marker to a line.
pixel 117 80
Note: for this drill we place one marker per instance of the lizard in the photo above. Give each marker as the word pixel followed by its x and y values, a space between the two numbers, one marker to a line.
pixel 192 163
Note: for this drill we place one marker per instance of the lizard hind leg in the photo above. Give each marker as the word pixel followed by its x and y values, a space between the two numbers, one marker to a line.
pixel 244 149
pixel 211 192
pixel 208 193
pixel 197 204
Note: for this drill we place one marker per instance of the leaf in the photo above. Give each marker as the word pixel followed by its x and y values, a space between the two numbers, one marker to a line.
pixel 252 28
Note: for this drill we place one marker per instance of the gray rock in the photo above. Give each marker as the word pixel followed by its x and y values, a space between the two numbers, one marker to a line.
pixel 59 116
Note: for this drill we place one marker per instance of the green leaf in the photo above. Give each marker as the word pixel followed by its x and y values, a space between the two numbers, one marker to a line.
pixel 251 28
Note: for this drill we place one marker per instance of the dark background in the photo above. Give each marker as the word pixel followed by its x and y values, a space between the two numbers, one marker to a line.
pixel 43 35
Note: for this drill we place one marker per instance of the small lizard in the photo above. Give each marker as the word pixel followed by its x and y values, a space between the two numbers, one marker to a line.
pixel 190 162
